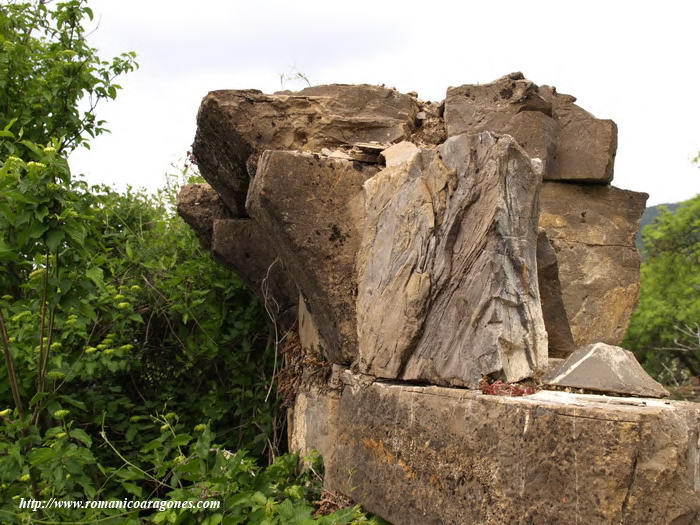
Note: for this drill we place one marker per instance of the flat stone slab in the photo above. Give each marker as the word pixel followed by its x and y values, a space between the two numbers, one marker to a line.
pixel 605 368
pixel 436 455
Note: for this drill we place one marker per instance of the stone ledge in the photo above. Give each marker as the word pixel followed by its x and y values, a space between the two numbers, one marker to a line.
pixel 435 455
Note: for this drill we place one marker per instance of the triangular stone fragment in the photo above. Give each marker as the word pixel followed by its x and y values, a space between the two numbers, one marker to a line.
pixel 605 368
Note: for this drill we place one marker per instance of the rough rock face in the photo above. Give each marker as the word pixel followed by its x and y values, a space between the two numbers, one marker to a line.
pixel 447 280
pixel 241 245
pixel 605 368
pixel 235 127
pixel 584 283
pixel 434 455
pixel 199 205
pixel 572 144
pixel 587 146
pixel 591 230
pixel 312 209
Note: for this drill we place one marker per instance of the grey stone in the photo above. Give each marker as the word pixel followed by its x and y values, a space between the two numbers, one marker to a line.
pixel 605 368
pixel 586 146
pixel 312 208
pixel 572 144
pixel 560 339
pixel 447 282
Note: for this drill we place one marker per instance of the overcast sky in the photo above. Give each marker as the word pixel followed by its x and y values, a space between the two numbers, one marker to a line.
pixel 633 62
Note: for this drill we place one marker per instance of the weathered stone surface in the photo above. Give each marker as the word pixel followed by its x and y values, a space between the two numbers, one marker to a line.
pixel 242 246
pixel 561 342
pixel 399 153
pixel 586 146
pixel 573 145
pixel 313 422
pixel 309 338
pixel 235 127
pixel 435 455
pixel 605 368
pixel 592 229
pixel 447 286
pixel 311 207
pixel 199 205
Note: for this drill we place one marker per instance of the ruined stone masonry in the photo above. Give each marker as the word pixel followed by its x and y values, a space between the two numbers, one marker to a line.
pixel 435 253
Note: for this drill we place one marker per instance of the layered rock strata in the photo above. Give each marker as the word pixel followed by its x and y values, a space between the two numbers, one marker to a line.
pixel 447 290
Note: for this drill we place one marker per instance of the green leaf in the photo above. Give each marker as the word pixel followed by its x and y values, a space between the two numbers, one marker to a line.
pixel 81 435
pixel 132 488
pixel 131 432
pixel 76 232
pixel 54 238
pixel 37 456
pixel 96 275
pixel 181 439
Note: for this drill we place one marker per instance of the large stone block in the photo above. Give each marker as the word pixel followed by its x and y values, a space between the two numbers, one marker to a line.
pixel 447 280
pixel 591 229
pixel 235 127
pixel 311 207
pixel 572 144
pixel 435 455
pixel 312 423
pixel 586 146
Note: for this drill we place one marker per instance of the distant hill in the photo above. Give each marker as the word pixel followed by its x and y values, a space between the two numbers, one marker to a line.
pixel 650 214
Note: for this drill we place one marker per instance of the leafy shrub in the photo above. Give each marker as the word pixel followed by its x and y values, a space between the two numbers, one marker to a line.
pixel 133 361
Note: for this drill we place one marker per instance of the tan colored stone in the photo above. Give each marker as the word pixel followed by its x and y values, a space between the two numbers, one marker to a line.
pixel 399 153
pixel 313 422
pixel 433 455
pixel 309 338
pixel 235 127
pixel 447 286
pixel 592 230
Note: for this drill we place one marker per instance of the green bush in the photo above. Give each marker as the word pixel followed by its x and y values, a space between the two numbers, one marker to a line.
pixel 133 361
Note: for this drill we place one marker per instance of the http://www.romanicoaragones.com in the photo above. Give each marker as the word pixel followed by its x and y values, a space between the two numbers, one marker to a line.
pixel 159 505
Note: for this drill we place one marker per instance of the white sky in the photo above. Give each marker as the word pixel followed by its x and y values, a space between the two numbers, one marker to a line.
pixel 633 62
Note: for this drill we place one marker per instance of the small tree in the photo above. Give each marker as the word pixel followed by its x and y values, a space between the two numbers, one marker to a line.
pixel 663 328
pixel 51 80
